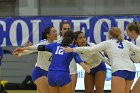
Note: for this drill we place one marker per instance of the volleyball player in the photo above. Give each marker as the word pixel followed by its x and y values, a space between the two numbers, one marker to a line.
pixel 40 72
pixel 133 31
pixel 96 78
pixel 117 49
pixel 64 27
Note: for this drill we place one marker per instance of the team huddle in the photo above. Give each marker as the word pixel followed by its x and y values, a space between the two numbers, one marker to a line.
pixel 56 71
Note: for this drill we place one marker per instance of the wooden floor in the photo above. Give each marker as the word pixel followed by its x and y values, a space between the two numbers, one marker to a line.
pixel 34 91
pixel 22 91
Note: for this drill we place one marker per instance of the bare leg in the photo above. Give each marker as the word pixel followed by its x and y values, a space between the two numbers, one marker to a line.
pixel 54 89
pixel 136 87
pixel 117 85
pixel 100 81
pixel 89 83
pixel 42 84
pixel 66 89
pixel 128 84
pixel 38 91
pixel 74 81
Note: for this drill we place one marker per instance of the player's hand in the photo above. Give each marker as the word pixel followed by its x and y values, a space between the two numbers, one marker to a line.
pixel 85 67
pixel 17 51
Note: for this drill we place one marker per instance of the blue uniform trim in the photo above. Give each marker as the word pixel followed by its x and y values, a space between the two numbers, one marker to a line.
pixel 100 67
pixel 128 75
pixel 38 72
pixel 58 78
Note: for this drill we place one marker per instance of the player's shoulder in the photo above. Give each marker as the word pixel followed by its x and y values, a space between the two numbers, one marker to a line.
pixel 126 41
pixel 90 44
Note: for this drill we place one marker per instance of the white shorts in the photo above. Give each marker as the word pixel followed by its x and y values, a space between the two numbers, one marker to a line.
pixel 73 67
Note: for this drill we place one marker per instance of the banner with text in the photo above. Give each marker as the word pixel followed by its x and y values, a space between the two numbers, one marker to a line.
pixel 15 31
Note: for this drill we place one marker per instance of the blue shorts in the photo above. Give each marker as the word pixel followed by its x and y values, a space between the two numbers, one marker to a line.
pixel 58 78
pixel 101 67
pixel 124 74
pixel 38 72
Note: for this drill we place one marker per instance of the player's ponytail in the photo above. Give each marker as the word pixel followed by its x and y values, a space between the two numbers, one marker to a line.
pixel 115 32
pixel 68 38
pixel 120 38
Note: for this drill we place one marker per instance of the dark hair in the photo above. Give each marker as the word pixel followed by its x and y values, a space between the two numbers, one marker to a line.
pixel 63 23
pixel 68 38
pixel 76 35
pixel 46 31
pixel 115 32
pixel 134 26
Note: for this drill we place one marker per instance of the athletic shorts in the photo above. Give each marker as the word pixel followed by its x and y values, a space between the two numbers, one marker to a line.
pixel 100 67
pixel 73 67
pixel 38 72
pixel 124 74
pixel 58 78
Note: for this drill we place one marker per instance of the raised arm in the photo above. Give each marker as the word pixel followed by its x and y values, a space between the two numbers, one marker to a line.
pixel 99 47
pixel 20 51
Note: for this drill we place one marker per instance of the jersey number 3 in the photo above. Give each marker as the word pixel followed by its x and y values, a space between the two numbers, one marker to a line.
pixel 59 50
pixel 120 45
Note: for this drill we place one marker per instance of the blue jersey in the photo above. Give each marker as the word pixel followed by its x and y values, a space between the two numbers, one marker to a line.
pixel 61 59
pixel 1 54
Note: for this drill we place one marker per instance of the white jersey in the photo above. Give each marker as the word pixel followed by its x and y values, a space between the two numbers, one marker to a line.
pixel 43 58
pixel 93 59
pixel 118 53
pixel 73 66
pixel 136 56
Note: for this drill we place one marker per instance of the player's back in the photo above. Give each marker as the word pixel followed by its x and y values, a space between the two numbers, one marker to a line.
pixel 118 53
pixel 60 59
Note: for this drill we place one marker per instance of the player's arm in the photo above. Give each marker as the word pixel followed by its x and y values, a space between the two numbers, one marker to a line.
pixel 48 48
pixel 135 56
pixel 133 47
pixel 81 62
pixel 104 58
pixel 99 47
pixel 26 50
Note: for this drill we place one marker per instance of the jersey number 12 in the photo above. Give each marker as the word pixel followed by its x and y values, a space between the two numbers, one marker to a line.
pixel 59 50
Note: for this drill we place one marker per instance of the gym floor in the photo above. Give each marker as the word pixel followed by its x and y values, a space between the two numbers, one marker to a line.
pixel 33 91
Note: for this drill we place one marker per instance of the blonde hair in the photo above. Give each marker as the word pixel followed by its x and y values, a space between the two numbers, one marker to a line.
pixel 115 32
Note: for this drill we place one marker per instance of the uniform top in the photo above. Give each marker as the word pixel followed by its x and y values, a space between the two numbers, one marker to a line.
pixel 93 59
pixel 59 39
pixel 136 56
pixel 43 58
pixel 1 54
pixel 118 53
pixel 73 66
pixel 60 59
